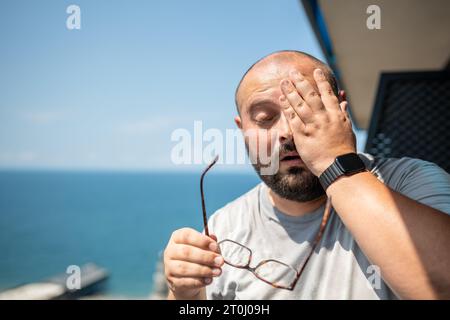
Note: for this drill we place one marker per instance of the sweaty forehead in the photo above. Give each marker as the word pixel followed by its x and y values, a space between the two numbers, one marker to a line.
pixel 264 78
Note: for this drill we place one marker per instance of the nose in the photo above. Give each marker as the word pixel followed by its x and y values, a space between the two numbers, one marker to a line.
pixel 284 130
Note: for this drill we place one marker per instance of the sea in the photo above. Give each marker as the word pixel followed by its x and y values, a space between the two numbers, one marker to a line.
pixel 121 221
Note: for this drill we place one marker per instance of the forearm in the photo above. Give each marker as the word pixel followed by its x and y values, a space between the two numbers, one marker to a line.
pixel 407 240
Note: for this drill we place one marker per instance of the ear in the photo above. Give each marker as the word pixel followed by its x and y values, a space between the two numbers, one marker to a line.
pixel 238 122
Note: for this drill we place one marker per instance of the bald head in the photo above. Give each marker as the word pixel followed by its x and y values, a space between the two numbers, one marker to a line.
pixel 266 73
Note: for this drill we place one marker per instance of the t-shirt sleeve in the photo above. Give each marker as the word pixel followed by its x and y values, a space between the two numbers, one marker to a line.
pixel 426 183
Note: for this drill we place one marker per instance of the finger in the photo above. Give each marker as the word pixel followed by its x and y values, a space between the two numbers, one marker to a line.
pixel 179 268
pixel 194 238
pixel 300 107
pixel 343 105
pixel 195 255
pixel 295 123
pixel 329 99
pixel 342 96
pixel 307 91
pixel 188 283
pixel 213 236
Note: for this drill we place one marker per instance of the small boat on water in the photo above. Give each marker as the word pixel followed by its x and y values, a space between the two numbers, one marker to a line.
pixel 92 280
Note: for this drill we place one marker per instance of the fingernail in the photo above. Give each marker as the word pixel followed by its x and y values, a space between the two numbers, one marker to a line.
pixel 216 271
pixel 218 261
pixel 213 246
pixel 207 280
pixel 320 73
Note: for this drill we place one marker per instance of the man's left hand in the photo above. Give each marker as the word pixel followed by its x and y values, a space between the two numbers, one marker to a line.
pixel 320 125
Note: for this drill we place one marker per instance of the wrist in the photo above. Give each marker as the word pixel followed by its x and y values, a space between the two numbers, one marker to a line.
pixel 345 182
pixel 322 167
pixel 328 161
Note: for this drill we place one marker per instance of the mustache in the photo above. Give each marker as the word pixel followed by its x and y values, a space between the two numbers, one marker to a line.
pixel 288 146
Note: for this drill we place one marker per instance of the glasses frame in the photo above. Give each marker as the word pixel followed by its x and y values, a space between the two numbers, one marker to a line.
pixel 325 218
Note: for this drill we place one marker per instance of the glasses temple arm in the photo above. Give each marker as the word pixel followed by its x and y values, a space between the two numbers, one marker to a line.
pixel 205 218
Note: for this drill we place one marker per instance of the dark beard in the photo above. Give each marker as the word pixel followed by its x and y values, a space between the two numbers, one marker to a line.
pixel 297 184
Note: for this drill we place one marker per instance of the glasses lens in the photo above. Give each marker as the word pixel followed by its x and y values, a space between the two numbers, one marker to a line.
pixel 234 253
pixel 277 273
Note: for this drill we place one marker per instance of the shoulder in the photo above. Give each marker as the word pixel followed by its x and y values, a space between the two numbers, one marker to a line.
pixel 238 212
pixel 418 179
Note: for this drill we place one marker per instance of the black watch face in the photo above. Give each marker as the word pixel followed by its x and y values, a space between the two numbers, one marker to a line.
pixel 350 162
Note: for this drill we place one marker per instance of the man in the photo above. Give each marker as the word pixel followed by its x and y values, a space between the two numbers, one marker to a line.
pixel 388 234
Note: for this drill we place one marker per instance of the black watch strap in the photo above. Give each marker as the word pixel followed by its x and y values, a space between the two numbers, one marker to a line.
pixel 346 164
pixel 330 175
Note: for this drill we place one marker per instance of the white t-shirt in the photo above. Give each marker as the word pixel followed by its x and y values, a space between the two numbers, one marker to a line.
pixel 338 269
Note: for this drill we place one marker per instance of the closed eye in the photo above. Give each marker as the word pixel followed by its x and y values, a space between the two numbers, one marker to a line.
pixel 265 119
pixel 264 114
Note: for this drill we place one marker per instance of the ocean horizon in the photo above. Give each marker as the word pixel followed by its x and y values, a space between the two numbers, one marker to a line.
pixel 119 220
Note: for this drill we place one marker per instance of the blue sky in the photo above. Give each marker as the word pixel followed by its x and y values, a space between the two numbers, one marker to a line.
pixel 109 96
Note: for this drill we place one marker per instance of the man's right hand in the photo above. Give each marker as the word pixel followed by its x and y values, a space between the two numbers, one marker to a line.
pixel 191 260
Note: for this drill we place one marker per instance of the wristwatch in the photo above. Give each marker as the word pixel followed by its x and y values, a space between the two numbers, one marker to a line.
pixel 346 164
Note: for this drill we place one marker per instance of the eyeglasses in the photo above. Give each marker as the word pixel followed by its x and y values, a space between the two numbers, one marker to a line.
pixel 274 272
